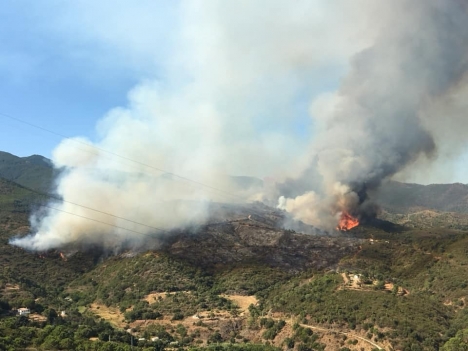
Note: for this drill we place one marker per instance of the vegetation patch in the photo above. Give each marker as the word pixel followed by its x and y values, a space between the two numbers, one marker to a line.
pixel 110 314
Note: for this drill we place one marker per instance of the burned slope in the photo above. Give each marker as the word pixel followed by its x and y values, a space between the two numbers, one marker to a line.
pixel 242 242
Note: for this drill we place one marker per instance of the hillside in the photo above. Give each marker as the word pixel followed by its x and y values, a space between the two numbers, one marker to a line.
pixel 243 282
pixel 34 172
pixel 16 203
pixel 254 234
pixel 425 206
pixel 399 197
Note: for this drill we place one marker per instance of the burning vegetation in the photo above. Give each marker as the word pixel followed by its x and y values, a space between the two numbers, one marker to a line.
pixel 347 222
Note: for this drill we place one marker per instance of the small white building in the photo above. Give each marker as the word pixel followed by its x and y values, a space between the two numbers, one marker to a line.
pixel 23 311
pixel 154 338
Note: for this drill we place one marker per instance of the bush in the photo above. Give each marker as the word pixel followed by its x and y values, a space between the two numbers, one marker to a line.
pixel 178 316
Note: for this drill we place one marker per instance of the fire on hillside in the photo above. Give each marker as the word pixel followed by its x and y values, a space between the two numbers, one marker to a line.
pixel 347 222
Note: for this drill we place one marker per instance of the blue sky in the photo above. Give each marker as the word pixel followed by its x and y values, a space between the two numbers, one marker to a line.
pixel 61 73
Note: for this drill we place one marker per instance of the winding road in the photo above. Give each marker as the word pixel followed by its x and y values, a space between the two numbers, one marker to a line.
pixel 344 333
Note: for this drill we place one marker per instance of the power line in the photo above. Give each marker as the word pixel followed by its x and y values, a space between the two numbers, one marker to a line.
pixel 102 222
pixel 194 182
pixel 92 209
pixel 221 191
pixel 88 208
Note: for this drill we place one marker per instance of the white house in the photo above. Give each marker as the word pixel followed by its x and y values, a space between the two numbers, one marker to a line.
pixel 23 311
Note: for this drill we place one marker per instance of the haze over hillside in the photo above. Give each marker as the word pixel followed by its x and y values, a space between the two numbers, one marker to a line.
pixel 245 277
pixel 330 100
pixel 402 197
pixel 395 198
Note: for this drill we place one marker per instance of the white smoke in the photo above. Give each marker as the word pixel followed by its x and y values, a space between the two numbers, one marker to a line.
pixel 229 104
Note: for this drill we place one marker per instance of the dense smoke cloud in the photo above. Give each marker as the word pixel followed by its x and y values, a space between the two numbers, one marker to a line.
pixel 379 121
pixel 230 104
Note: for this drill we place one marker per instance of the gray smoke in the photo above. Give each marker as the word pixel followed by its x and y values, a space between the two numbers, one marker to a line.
pixel 228 106
pixel 380 121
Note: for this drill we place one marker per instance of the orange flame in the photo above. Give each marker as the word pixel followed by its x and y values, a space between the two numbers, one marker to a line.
pixel 63 256
pixel 347 222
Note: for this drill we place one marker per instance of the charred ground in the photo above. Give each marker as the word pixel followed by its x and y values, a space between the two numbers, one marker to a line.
pixel 254 234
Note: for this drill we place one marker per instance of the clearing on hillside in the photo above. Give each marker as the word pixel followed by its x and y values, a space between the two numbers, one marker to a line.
pixel 242 301
pixel 110 314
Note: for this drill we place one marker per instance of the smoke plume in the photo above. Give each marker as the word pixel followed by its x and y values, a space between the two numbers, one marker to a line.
pixel 381 120
pixel 232 102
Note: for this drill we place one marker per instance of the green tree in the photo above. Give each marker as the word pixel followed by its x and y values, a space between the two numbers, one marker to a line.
pixel 458 343
pixel 51 315
pixel 215 338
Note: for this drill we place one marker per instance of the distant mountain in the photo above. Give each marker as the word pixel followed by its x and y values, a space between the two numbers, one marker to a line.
pixel 34 171
pixel 399 197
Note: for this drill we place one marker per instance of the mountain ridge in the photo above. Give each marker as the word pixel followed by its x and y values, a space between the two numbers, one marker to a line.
pixel 37 173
